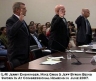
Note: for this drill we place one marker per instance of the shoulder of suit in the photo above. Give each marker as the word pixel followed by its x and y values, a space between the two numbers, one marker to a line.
pixel 13 17
pixel 56 16
pixel 80 17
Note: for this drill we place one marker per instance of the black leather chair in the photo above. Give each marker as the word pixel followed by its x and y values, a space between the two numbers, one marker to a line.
pixel 33 47
pixel 5 63
pixel 36 53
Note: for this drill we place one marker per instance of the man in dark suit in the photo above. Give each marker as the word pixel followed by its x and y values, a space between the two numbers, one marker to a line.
pixel 59 34
pixel 18 36
pixel 84 31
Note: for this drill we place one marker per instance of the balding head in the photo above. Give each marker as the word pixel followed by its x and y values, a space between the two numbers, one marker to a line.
pixel 85 12
pixel 58 7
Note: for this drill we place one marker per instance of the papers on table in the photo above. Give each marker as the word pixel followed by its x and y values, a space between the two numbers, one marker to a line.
pixel 56 58
pixel 94 46
pixel 47 50
pixel 89 51
pixel 75 51
pixel 53 60
pixel 84 46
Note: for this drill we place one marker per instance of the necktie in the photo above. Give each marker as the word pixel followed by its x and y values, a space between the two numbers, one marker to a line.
pixel 38 43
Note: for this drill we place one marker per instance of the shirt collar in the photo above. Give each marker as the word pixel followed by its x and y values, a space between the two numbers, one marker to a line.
pixel 32 34
pixel 16 16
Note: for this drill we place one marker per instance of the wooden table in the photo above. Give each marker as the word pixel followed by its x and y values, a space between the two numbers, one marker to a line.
pixel 64 66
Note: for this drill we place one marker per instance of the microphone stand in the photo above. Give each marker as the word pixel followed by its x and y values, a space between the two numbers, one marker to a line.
pixel 73 56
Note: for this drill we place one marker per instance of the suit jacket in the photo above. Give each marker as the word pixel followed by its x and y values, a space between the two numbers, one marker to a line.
pixel 32 41
pixel 59 34
pixel 81 29
pixel 44 39
pixel 18 41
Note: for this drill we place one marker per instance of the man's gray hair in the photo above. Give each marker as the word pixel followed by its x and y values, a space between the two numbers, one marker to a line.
pixel 16 5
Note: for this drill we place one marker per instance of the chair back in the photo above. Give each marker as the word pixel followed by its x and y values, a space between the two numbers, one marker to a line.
pixel 33 47
pixel 7 64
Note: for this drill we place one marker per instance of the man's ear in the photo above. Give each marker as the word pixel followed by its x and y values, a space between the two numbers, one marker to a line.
pixel 17 10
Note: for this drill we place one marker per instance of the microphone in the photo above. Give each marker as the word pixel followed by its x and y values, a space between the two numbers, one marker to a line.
pixel 73 56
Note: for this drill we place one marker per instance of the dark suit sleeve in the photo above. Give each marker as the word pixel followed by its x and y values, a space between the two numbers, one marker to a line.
pixel 43 39
pixel 13 27
pixel 78 21
pixel 55 21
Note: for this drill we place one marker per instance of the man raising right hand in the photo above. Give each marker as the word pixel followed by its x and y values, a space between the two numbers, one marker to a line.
pixel 18 36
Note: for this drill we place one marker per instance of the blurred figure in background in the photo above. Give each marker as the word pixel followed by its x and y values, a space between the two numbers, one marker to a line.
pixel 38 26
pixel 43 37
pixel 94 36
pixel 3 37
pixel 31 23
pixel 48 26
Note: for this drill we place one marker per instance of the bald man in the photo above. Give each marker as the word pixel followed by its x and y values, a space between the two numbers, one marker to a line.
pixel 84 31
pixel 59 34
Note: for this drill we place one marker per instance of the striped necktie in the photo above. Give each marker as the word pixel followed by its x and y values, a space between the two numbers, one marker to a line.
pixel 38 43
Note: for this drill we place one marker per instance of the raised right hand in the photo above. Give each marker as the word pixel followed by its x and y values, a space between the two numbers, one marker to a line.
pixel 21 17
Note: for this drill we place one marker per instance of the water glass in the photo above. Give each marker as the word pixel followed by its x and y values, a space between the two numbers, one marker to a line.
pixel 68 56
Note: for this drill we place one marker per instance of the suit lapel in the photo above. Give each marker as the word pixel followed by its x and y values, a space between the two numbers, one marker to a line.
pixel 23 28
pixel 26 27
